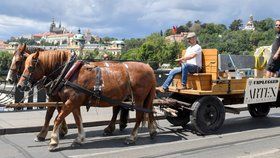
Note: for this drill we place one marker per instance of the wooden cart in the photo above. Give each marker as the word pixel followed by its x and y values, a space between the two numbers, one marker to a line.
pixel 209 95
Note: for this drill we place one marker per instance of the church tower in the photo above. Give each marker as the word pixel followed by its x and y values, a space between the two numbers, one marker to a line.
pixel 250 24
pixel 52 25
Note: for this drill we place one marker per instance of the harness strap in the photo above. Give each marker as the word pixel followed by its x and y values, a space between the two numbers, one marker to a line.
pixel 129 85
pixel 96 88
pixel 106 99
pixel 63 72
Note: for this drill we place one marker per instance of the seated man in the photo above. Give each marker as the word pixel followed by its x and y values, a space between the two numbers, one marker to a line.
pixel 191 62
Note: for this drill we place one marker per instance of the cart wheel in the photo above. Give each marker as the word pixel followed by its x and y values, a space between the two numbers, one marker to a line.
pixel 208 114
pixel 183 118
pixel 258 110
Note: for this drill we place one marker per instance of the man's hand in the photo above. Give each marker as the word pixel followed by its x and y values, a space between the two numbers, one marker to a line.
pixel 276 56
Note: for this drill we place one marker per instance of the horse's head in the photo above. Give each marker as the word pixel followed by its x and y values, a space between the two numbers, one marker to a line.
pixel 32 72
pixel 17 65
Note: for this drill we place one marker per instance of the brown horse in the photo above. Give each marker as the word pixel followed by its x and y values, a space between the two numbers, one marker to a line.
pixel 16 69
pixel 117 84
pixel 17 65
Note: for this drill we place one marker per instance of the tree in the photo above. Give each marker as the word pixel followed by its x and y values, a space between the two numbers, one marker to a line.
pixel 132 43
pixel 168 32
pixel 212 28
pixel 236 25
pixel 181 29
pixel 195 27
pixel 132 54
pixel 189 24
pixel 264 25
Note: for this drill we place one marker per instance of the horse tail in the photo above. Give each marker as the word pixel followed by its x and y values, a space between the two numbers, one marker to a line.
pixel 148 103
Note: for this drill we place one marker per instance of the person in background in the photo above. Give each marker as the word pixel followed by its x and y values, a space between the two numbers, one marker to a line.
pixel 273 64
pixel 191 62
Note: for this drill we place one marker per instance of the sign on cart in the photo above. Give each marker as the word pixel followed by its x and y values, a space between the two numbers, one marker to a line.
pixel 261 90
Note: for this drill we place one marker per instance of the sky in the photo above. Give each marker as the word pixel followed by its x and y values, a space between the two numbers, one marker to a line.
pixel 125 18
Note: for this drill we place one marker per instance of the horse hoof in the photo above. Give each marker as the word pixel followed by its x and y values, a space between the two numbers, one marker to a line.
pixel 39 139
pixel 129 141
pixel 153 135
pixel 122 127
pixel 107 133
pixel 76 144
pixel 53 147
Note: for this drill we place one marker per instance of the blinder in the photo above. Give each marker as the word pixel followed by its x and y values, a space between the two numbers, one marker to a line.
pixel 29 81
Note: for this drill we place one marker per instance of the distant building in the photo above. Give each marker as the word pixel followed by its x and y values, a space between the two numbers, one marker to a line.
pixel 59 39
pixel 39 36
pixel 88 36
pixel 250 24
pixel 64 39
pixel 176 37
pixel 57 30
pixel 3 45
pixel 115 47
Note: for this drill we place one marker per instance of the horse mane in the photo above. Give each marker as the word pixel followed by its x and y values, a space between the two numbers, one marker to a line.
pixel 53 59
pixel 32 50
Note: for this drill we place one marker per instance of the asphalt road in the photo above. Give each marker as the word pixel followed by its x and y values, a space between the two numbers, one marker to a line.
pixel 240 137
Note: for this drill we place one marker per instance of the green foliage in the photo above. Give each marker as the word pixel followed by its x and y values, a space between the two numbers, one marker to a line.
pixel 236 25
pixel 155 50
pixel 132 43
pixel 132 54
pixel 45 43
pixel 88 55
pixel 23 40
pixel 212 28
pixel 264 25
pixel 5 62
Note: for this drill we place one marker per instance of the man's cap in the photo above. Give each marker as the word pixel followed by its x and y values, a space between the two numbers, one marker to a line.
pixel 191 34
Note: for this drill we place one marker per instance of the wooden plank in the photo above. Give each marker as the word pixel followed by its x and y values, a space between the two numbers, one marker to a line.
pixel 35 104
pixel 198 92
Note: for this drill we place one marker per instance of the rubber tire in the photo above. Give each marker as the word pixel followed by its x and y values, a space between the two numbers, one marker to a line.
pixel 259 110
pixel 208 115
pixel 182 119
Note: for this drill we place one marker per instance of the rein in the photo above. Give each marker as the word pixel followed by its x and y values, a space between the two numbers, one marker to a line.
pixel 106 99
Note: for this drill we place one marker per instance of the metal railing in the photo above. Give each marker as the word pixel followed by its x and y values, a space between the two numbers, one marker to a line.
pixel 10 94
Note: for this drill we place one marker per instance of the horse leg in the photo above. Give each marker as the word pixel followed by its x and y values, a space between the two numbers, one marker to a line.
pixel 123 118
pixel 111 127
pixel 65 111
pixel 148 103
pixel 81 133
pixel 41 136
pixel 152 126
pixel 44 131
pixel 132 138
pixel 63 128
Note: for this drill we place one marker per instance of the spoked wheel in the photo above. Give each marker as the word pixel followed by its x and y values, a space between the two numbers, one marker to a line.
pixel 208 114
pixel 259 110
pixel 182 119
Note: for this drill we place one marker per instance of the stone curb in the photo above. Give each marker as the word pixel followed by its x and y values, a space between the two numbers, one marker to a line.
pixel 70 126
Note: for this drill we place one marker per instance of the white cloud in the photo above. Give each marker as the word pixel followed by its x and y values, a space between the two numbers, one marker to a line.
pixel 125 18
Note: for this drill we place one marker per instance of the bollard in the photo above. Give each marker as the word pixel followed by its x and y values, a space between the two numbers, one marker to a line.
pixel 18 97
pixel 30 98
pixel 41 97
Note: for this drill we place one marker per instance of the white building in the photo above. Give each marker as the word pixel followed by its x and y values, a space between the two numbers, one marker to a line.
pixel 250 24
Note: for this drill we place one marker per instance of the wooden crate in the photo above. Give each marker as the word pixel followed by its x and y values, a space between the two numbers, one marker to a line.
pixel 197 81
